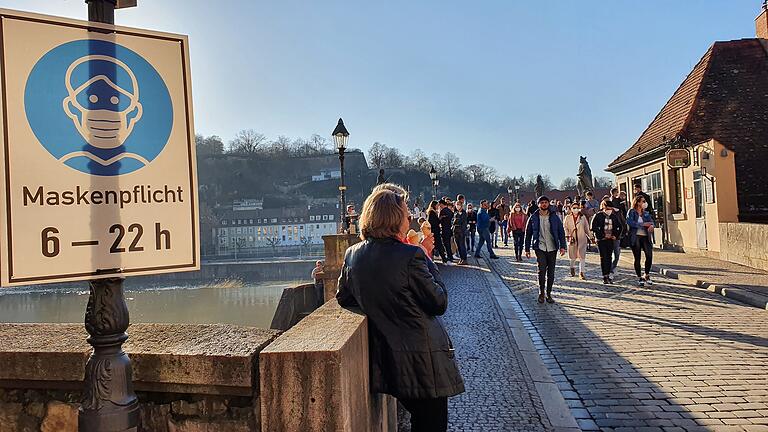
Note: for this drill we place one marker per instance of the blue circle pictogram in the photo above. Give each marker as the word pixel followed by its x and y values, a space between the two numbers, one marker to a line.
pixel 98 107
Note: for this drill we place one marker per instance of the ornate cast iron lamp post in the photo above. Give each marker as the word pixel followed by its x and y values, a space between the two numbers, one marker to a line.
pixel 435 181
pixel 340 138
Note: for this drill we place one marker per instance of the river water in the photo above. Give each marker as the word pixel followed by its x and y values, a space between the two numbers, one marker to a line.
pixel 228 302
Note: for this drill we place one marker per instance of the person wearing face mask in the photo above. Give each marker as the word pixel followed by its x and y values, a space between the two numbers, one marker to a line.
pixel 620 207
pixel 516 226
pixel 577 233
pixel 472 223
pixel 607 228
pixel 641 227
pixel 460 231
pixel 545 234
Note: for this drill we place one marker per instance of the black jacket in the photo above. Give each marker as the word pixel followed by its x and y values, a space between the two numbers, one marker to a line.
pixel 472 220
pixel 446 221
pixel 598 225
pixel 434 222
pixel 460 222
pixel 400 291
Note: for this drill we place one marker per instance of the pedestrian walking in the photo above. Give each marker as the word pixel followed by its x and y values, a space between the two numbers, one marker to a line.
pixel 493 211
pixel 503 210
pixel 620 207
pixel 446 228
pixel 577 234
pixel 638 190
pixel 411 356
pixel 472 223
pixel 641 227
pixel 433 216
pixel 545 234
pixel 319 284
pixel 516 226
pixel 460 231
pixel 483 230
pixel 607 228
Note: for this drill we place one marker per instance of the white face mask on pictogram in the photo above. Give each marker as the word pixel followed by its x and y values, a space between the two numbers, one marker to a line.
pixel 103 128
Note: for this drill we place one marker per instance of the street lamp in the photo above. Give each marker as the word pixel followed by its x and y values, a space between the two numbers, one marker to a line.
pixel 435 181
pixel 517 191
pixel 340 138
pixel 510 189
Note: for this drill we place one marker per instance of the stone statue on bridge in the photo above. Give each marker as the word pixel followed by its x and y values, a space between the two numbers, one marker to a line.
pixel 584 177
pixel 539 188
pixel 381 179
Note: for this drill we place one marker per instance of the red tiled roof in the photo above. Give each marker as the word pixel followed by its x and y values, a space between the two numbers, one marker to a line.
pixel 729 84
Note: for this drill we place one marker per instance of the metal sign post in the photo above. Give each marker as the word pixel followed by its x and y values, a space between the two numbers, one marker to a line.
pixel 109 402
pixel 98 177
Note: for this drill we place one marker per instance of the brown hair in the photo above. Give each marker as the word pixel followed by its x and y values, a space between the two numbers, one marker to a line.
pixel 382 215
pixel 636 202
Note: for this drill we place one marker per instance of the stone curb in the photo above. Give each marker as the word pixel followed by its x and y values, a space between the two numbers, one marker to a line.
pixel 555 406
pixel 740 295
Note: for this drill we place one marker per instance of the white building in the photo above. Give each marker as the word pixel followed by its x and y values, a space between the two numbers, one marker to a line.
pixel 327 174
pixel 243 230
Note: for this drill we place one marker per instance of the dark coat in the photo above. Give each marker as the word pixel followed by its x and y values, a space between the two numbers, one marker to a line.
pixel 400 291
pixel 460 222
pixel 446 221
pixel 598 225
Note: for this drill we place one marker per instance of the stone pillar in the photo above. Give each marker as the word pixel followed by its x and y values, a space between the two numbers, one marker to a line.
pixel 335 247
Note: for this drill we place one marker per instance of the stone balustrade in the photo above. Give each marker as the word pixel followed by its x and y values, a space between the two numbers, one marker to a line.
pixel 189 378
pixel 314 377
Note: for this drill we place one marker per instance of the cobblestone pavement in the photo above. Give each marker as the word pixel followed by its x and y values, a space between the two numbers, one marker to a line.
pixel 714 271
pixel 667 357
pixel 500 394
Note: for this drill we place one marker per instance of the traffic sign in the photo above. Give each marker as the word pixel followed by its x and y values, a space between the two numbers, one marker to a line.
pixel 97 158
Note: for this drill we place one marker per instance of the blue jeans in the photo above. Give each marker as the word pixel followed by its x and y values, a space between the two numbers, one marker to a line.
pixel 485 237
pixel 471 239
pixel 504 233
pixel 616 254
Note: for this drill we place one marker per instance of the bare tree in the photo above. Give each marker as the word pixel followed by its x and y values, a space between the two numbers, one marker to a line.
pixel 475 172
pixel 438 162
pixel 211 145
pixel 603 181
pixel 273 242
pixel 393 158
pixel 419 161
pixel 281 145
pixel 451 163
pixel 247 141
pixel 568 183
pixel 377 154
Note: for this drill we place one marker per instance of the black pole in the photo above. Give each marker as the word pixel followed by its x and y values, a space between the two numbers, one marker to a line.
pixel 343 189
pixel 109 402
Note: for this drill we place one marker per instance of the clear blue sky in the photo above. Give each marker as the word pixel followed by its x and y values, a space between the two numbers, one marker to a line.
pixel 524 86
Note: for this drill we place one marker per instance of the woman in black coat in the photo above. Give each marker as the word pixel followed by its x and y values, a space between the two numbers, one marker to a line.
pixel 399 289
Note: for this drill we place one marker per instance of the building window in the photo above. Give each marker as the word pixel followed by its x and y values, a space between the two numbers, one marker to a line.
pixel 330 217
pixel 676 191
pixel 325 217
pixel 224 222
pixel 651 184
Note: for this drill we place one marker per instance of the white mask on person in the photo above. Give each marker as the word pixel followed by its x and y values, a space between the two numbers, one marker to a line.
pixel 576 210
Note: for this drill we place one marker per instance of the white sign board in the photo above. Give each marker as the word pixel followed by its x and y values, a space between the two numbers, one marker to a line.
pixel 98 160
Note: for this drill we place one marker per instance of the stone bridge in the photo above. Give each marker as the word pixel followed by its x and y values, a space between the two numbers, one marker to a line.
pixel 668 357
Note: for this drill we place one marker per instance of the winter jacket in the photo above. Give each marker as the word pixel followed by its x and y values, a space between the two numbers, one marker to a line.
pixel 598 225
pixel 446 221
pixel 410 353
pixel 532 231
pixel 460 222
pixel 634 225
pixel 483 220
